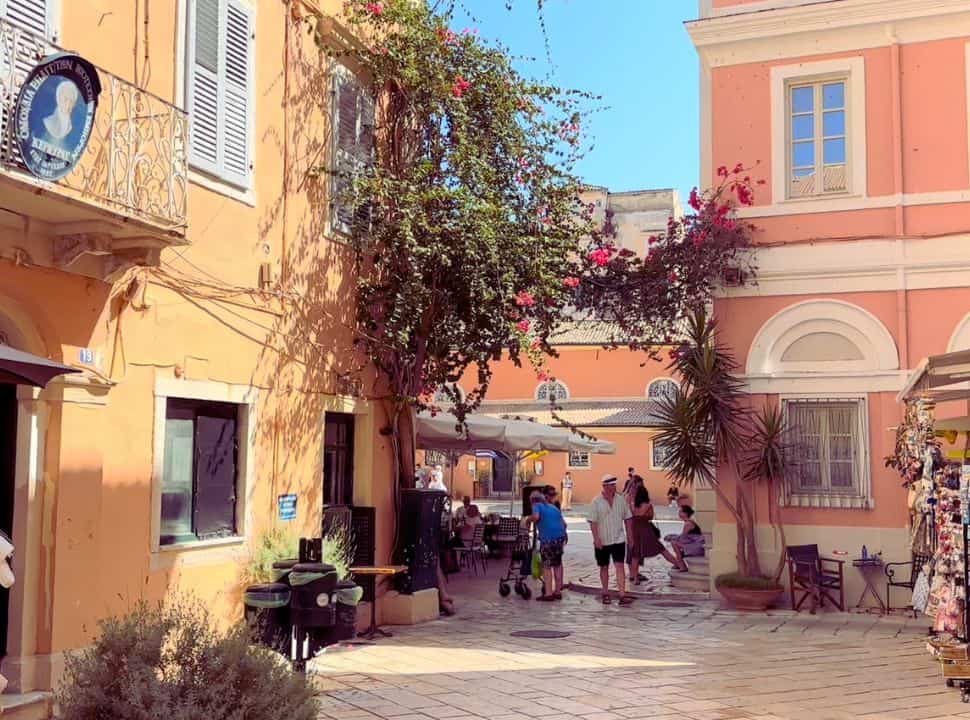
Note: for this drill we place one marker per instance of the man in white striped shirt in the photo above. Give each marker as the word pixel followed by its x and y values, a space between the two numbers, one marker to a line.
pixel 610 519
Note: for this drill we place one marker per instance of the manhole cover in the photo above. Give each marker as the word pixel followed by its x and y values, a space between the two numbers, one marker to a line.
pixel 542 634
pixel 670 604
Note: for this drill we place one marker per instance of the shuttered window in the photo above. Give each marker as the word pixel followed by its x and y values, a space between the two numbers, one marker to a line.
pixel 220 54
pixel 31 15
pixel 199 476
pixel 828 438
pixel 338 459
pixel 353 145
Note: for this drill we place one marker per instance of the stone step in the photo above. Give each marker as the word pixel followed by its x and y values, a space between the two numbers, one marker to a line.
pixel 28 706
pixel 690 581
pixel 699 565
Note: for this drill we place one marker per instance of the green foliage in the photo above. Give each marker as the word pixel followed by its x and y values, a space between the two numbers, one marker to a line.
pixel 707 424
pixel 746 582
pixel 470 218
pixel 701 424
pixel 170 663
pixel 338 550
pixel 273 546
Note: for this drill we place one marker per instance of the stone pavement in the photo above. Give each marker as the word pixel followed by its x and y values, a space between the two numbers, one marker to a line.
pixel 658 659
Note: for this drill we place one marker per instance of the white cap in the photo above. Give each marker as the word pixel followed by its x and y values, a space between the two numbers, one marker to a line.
pixel 609 479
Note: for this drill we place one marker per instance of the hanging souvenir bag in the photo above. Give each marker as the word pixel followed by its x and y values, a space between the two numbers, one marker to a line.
pixel 921 591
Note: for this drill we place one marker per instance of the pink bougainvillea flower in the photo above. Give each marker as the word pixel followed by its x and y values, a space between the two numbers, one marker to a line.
pixel 375 8
pixel 542 376
pixel 722 171
pixel 762 181
pixel 695 200
pixel 738 169
pixel 652 240
pixel 524 299
pixel 673 277
pixel 571 282
pixel 536 344
pixel 523 326
pixel 460 86
pixel 600 257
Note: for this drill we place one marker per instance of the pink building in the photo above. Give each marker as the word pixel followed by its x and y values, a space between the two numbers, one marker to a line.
pixel 855 114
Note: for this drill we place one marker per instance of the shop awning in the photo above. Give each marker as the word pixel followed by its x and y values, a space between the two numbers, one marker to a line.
pixel 940 377
pixel 480 432
pixel 23 368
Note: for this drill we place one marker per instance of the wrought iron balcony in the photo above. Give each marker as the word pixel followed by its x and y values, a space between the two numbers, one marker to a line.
pixel 127 193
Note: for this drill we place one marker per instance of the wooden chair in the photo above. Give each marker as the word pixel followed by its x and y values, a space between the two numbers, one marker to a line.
pixel 908 573
pixel 815 577
pixel 473 552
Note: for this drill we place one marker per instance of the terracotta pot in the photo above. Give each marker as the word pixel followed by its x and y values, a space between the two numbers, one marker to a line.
pixel 749 599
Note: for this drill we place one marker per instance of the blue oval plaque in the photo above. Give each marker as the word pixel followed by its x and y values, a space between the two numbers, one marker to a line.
pixel 54 114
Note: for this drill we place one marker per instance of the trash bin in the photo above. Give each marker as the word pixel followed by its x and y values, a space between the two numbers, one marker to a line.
pixel 267 611
pixel 310 604
pixel 282 569
pixel 346 621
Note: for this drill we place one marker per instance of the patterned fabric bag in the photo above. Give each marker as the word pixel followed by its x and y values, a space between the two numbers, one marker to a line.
pixel 921 591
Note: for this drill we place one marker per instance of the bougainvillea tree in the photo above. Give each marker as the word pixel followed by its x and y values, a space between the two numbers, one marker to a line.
pixel 472 235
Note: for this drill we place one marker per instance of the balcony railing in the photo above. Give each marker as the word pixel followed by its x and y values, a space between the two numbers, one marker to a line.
pixel 136 160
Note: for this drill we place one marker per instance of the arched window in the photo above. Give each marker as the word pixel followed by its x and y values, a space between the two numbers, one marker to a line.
pixel 662 388
pixel 445 395
pixel 552 390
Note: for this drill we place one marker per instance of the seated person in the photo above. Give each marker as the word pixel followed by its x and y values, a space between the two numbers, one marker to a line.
pixel 672 494
pixel 690 542
pixel 462 512
pixel 466 532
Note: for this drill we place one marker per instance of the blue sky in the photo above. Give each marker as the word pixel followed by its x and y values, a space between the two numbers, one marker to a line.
pixel 637 55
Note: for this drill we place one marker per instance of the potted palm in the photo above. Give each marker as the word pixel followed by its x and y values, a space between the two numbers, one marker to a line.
pixel 708 425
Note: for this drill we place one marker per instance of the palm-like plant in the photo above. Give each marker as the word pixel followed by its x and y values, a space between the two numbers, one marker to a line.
pixel 707 424
pixel 767 459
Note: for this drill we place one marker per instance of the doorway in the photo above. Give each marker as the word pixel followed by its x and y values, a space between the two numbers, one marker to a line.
pixel 8 465
pixel 503 471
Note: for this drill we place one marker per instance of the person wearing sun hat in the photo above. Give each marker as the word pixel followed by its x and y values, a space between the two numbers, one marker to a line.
pixel 610 518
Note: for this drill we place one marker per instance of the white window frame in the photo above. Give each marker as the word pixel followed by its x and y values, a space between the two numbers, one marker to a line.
pixel 792 496
pixel 552 382
pixel 185 53
pixel 243 396
pixel 653 464
pixel 572 466
pixel 853 71
pixel 659 380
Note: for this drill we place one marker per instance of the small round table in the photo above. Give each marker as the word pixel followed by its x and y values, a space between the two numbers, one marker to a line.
pixel 869 568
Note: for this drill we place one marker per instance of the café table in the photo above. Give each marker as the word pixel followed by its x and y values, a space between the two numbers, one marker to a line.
pixel 870 568
pixel 372 573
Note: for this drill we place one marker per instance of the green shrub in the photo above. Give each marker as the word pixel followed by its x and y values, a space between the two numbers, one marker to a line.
pixel 745 582
pixel 169 662
pixel 272 547
pixel 338 550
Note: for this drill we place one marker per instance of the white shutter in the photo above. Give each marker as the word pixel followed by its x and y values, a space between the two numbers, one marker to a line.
pixel 203 50
pixel 220 104
pixel 31 15
pixel 235 93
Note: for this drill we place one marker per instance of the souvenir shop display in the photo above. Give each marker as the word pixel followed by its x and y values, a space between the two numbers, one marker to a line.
pixel 939 505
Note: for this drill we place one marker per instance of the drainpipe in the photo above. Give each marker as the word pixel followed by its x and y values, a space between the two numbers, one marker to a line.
pixel 902 299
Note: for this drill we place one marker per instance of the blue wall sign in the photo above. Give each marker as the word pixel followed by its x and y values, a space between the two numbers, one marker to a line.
pixel 287 505
pixel 54 114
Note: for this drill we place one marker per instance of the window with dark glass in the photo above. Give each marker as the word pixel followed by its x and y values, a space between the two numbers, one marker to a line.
pixel 199 474
pixel 338 459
